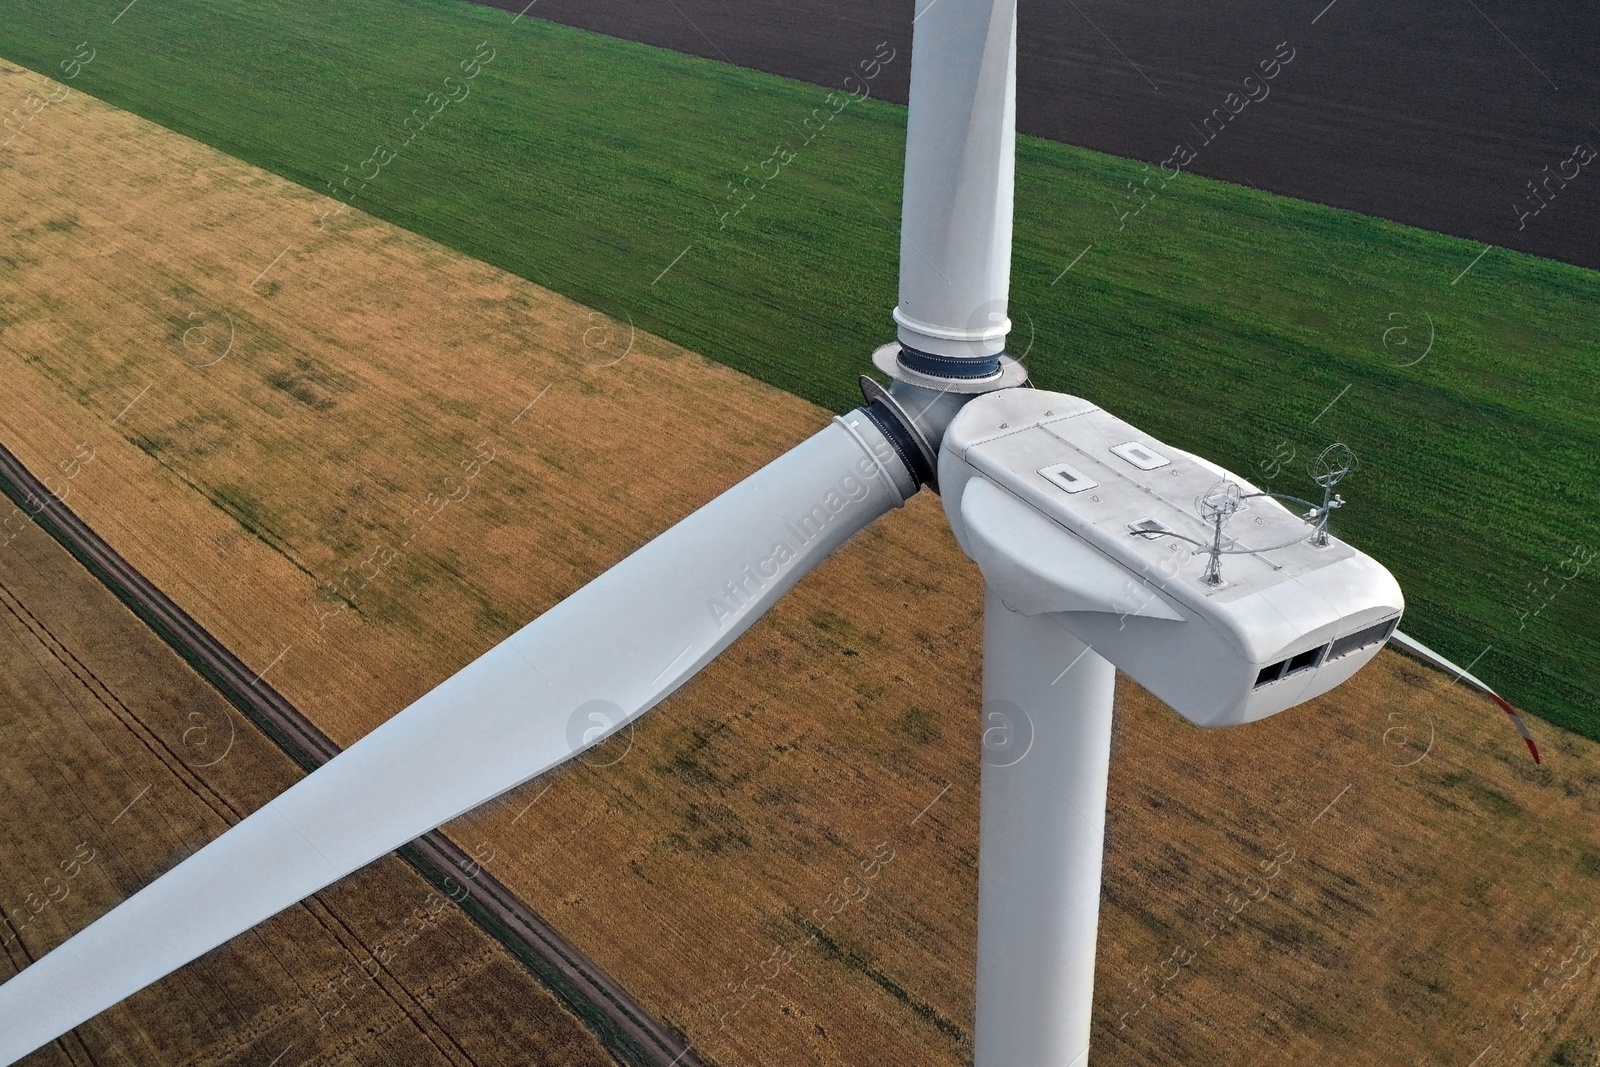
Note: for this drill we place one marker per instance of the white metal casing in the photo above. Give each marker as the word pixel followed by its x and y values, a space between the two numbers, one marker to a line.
pixel 1047 543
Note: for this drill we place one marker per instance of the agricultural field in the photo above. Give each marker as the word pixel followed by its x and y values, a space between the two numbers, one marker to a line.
pixel 779 861
pixel 1432 115
pixel 1248 327
pixel 119 761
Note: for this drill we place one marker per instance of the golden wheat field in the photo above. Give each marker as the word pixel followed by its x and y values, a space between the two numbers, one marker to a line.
pixel 290 408
pixel 119 760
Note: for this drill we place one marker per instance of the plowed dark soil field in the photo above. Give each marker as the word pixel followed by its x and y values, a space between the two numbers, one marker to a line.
pixel 1432 114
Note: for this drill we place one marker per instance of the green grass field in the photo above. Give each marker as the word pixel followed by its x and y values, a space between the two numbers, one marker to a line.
pixel 1220 318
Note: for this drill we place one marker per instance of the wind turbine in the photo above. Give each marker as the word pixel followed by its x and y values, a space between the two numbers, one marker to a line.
pixel 1099 546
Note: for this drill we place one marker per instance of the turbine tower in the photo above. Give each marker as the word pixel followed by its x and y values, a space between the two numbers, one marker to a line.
pixel 1100 548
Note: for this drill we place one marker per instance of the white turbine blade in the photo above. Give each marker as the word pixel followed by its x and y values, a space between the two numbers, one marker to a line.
pixel 1417 650
pixel 956 216
pixel 598 659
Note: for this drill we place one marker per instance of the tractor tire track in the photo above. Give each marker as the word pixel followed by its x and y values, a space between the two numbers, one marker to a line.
pixel 620 1023
pixel 411 1008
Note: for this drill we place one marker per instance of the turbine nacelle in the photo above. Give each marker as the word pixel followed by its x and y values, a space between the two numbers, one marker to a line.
pixel 1202 588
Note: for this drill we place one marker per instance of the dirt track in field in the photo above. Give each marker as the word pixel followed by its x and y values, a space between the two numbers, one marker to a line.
pixel 619 1022
pixel 117 761
pixel 713 861
pixel 1435 115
